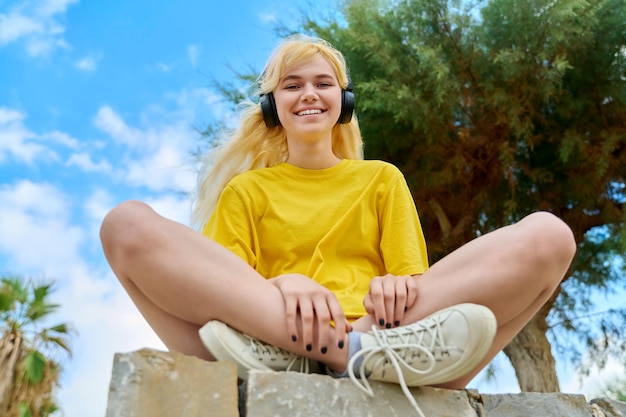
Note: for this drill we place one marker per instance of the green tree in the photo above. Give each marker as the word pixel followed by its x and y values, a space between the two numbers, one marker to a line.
pixel 29 352
pixel 497 109
pixel 492 110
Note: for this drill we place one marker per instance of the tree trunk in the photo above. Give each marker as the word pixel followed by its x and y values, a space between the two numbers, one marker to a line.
pixel 10 345
pixel 531 355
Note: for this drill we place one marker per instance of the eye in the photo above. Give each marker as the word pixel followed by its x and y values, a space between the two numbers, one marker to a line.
pixel 292 86
pixel 325 84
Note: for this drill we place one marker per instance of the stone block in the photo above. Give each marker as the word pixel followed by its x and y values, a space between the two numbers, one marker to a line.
pixel 609 407
pixel 290 394
pixel 150 383
pixel 536 404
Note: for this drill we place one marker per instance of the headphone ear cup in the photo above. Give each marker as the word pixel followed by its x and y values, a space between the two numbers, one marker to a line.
pixel 270 114
pixel 268 108
pixel 347 106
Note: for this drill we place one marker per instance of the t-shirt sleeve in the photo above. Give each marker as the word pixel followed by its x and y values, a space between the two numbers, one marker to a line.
pixel 402 245
pixel 231 225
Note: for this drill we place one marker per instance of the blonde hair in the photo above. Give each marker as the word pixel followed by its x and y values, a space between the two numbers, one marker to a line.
pixel 252 144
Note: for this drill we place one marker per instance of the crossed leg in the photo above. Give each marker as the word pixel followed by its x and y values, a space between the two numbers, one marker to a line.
pixel 513 271
pixel 179 280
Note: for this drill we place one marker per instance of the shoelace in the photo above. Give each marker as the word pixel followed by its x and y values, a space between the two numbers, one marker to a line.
pixel 295 362
pixel 396 353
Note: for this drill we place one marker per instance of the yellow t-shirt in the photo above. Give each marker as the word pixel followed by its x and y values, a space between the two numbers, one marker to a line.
pixel 340 226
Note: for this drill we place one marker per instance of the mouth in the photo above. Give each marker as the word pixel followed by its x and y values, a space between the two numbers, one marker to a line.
pixel 309 112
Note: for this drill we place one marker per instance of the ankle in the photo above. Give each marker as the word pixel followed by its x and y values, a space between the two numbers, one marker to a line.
pixel 340 369
pixel 337 364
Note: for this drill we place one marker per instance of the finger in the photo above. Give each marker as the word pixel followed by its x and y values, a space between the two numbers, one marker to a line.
pixel 389 289
pixel 412 291
pixel 400 302
pixel 378 301
pixel 342 326
pixel 322 323
pixel 291 317
pixel 368 304
pixel 306 323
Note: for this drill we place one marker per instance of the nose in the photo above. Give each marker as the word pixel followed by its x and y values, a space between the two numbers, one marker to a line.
pixel 309 93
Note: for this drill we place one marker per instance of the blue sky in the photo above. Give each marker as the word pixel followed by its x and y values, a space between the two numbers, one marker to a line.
pixel 99 103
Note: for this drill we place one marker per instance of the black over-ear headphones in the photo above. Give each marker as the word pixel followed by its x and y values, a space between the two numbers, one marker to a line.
pixel 270 115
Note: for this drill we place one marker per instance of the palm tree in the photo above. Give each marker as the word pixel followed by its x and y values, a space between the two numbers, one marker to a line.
pixel 29 351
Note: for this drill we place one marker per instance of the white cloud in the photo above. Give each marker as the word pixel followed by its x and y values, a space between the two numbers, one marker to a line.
pixel 15 26
pixel 35 230
pixel 15 140
pixel 89 63
pixel 38 24
pixel 61 138
pixel 41 236
pixel 111 123
pixel 595 384
pixel 202 104
pixel 268 17
pixel 107 320
pixel 177 208
pixel 193 51
pixel 22 145
pixel 119 328
pixel 163 67
pixel 51 230
pixel 95 208
pixel 84 161
pixel 164 167
pixel 51 7
pixel 156 157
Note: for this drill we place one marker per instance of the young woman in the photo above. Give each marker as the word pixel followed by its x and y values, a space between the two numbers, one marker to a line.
pixel 311 256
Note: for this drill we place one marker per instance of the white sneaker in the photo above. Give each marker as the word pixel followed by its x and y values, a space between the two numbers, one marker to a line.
pixel 440 348
pixel 226 343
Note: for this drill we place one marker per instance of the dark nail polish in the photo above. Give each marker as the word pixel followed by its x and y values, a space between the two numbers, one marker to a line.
pixel 388 325
pixel 381 322
pixel 340 344
pixel 309 347
pixel 324 350
pixel 294 338
pixel 396 323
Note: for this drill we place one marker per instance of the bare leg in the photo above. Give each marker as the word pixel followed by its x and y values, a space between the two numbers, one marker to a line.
pixel 180 280
pixel 512 270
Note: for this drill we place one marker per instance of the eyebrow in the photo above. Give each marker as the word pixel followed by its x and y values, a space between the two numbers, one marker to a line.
pixel 298 77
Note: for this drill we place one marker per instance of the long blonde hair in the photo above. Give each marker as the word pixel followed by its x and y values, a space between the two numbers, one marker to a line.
pixel 252 144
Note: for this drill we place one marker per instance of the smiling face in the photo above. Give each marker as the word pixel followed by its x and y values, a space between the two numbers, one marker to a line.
pixel 308 100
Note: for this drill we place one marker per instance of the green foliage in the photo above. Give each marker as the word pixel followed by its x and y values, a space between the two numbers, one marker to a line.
pixel 494 109
pixel 24 410
pixel 500 108
pixel 30 364
pixel 34 364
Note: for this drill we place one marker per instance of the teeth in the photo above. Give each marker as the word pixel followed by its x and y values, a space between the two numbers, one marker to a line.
pixel 305 112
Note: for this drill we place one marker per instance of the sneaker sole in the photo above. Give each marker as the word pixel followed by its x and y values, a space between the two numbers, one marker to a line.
pixel 483 326
pixel 212 334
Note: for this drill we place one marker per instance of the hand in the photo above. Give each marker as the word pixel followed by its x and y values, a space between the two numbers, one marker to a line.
pixel 389 297
pixel 309 310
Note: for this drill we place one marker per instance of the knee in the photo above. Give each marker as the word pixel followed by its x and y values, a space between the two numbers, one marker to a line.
pixel 550 238
pixel 122 227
